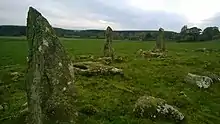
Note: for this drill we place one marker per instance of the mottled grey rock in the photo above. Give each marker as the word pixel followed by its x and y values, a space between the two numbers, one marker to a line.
pixel 95 68
pixel 151 107
pixel 160 42
pixel 200 81
pixel 213 76
pixel 50 94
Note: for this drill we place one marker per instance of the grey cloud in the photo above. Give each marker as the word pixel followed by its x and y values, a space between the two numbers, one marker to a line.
pixel 213 21
pixel 87 13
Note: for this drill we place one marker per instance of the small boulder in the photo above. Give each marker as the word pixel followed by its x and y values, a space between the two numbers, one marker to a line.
pixel 151 107
pixel 105 60
pixel 200 81
pixel 15 76
pixel 151 54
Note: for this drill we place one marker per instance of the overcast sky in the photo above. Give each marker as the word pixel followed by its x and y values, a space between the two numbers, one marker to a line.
pixel 119 14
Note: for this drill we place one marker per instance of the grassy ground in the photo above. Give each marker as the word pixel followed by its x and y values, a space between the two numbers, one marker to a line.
pixel 114 97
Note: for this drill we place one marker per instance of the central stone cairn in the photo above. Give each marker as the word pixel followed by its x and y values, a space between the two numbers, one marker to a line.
pixel 159 49
pixel 108 50
pixel 50 75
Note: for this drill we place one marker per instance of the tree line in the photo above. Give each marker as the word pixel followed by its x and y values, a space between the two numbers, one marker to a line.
pixel 185 34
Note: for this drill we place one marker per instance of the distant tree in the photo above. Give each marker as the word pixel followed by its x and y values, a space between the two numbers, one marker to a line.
pixel 184 29
pixel 148 36
pixel 194 32
pixel 210 33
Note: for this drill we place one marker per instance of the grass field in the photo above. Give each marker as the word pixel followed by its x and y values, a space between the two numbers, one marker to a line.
pixel 114 97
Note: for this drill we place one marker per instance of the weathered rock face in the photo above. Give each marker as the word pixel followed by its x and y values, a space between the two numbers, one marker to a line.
pixel 160 43
pixel 213 76
pixel 108 50
pixel 151 107
pixel 50 75
pixel 200 81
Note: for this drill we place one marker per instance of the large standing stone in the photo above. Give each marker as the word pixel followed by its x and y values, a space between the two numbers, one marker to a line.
pixel 160 43
pixel 108 50
pixel 50 76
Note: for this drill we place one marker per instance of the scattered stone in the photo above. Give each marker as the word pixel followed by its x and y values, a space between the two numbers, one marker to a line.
pixel 95 68
pixel 214 77
pixel 106 60
pixel 14 73
pixel 200 81
pixel 120 59
pixel 207 50
pixel 151 107
pixel 150 54
pixel 1 107
pixel 16 76
pixel 108 50
pixel 25 104
pixel 89 110
pixel 45 78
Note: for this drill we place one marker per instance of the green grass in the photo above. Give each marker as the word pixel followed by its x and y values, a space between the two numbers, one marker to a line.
pixel 114 97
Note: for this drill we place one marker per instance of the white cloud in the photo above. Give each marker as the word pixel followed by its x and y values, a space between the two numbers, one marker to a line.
pixel 120 14
pixel 194 10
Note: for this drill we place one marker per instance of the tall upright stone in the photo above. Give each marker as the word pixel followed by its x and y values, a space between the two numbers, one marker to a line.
pixel 160 42
pixel 161 30
pixel 50 76
pixel 108 50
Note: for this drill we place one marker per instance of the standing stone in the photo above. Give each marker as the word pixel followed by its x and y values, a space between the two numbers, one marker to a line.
pixel 160 43
pixel 108 50
pixel 50 78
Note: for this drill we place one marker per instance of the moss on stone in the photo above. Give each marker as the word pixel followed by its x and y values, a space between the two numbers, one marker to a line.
pixel 151 107
pixel 46 77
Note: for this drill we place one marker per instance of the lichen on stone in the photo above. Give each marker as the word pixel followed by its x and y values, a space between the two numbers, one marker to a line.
pixel 46 81
pixel 40 49
pixel 151 107
pixel 64 89
pixel 60 64
pixel 108 50
pixel 45 43
pixel 69 83
pixel 27 59
pixel 71 69
pixel 200 81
